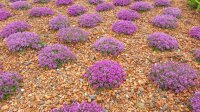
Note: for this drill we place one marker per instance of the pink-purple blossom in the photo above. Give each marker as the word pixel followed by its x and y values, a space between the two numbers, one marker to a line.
pixel 64 2
pixel 21 5
pixel 141 6
pixel 127 14
pixel 195 32
pixel 197 54
pixel 176 12
pixel 41 11
pixel 76 10
pixel 162 2
pixel 104 7
pixel 4 14
pixel 90 20
pixel 121 2
pixel 41 1
pixel 59 22
pixel 95 2
pixel 195 102
pixel 15 0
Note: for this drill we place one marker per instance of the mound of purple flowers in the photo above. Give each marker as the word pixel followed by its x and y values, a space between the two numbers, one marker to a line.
pixel 104 7
pixel 64 2
pixel 76 10
pixel 41 1
pixel 162 41
pixel 141 6
pixel 162 3
pixel 95 2
pixel 129 15
pixel 197 54
pixel 73 34
pixel 16 0
pixel 125 27
pixel 105 74
pixel 21 5
pixel 165 21
pixel 174 76
pixel 59 22
pixel 121 2
pixel 83 107
pixel 55 55
pixel 176 12
pixel 89 20
pixel 21 40
pixel 195 32
pixel 10 82
pixel 109 46
pixel 4 14
pixel 14 27
pixel 41 11
pixel 195 102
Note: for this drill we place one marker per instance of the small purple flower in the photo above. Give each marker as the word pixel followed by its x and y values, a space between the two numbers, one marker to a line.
pixel 162 3
pixel 195 32
pixel 4 14
pixel 197 54
pixel 59 22
pixel 64 2
pixel 104 7
pixel 176 12
pixel 16 0
pixel 129 15
pixel 41 11
pixel 125 27
pixel 21 5
pixel 121 2
pixel 89 20
pixel 141 6
pixel 41 1
pixel 195 102
pixel 76 10
pixel 95 2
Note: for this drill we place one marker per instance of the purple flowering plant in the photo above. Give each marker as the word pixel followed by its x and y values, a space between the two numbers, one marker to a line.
pixel 141 6
pixel 197 55
pixel 127 14
pixel 121 2
pixel 195 32
pixel 4 14
pixel 21 5
pixel 41 1
pixel 1 5
pixel 64 2
pixel 76 10
pixel 195 102
pixel 90 20
pixel 41 11
pixel 176 12
pixel 59 22
pixel 162 2
pixel 104 7
pixel 95 2
pixel 16 0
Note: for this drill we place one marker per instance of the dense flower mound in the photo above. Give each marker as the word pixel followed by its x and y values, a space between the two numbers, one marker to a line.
pixel 174 76
pixel 195 102
pixel 165 21
pixel 95 2
pixel 162 3
pixel 104 7
pixel 162 41
pixel 41 1
pixel 73 34
pixel 15 0
pixel 59 22
pixel 14 27
pixel 176 12
pixel 129 15
pixel 121 2
pixel 21 5
pixel 41 11
pixel 20 40
pixel 10 82
pixel 125 27
pixel 55 55
pixel 76 10
pixel 197 54
pixel 109 46
pixel 195 32
pixel 1 5
pixel 64 2
pixel 77 107
pixel 105 74
pixel 4 14
pixel 89 20
pixel 141 6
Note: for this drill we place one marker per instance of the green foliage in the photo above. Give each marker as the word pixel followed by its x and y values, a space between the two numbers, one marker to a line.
pixel 194 4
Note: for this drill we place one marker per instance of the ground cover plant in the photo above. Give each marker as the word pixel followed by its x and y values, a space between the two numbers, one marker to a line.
pixel 76 10
pixel 41 11
pixel 21 5
pixel 195 32
pixel 64 2
pixel 90 20
pixel 141 6
pixel 4 14
pixel 129 15
pixel 104 7
pixel 59 22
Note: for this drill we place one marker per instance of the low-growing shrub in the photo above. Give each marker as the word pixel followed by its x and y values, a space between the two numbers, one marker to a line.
pixel 194 4
pixel 104 7
pixel 141 6
pixel 41 1
pixel 121 2
pixel 195 101
pixel 129 15
pixel 16 0
pixel 41 11
pixel 76 10
pixel 59 22
pixel 162 3
pixel 54 56
pixel 73 35
pixel 95 2
pixel 89 20
pixel 162 41
pixel 105 74
pixel 14 27
pixel 197 55
pixel 195 32
pixel 64 2
pixel 21 5
pixel 174 76
pixel 176 12
pixel 77 107
pixel 107 45
pixel 21 40
pixel 125 27
pixel 165 21
pixel 4 14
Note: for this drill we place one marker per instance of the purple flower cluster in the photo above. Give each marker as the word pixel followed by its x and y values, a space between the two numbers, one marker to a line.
pixel 125 27
pixel 162 41
pixel 76 10
pixel 55 55
pixel 89 20
pixel 95 2
pixel 1 5
pixel 64 2
pixel 20 40
pixel 174 76
pixel 121 2
pixel 14 27
pixel 165 21
pixel 4 14
pixel 10 82
pixel 59 22
pixel 195 102
pixel 197 54
pixel 73 34
pixel 109 46
pixel 127 14
pixel 162 3
pixel 195 32
pixel 41 1
pixel 41 11
pixel 141 6
pixel 16 0
pixel 83 107
pixel 176 12
pixel 21 5
pixel 105 74
pixel 104 7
